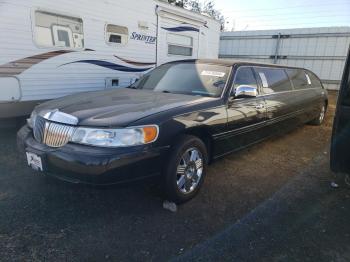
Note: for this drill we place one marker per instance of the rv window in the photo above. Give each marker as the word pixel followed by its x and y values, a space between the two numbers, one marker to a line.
pixel 115 39
pixel 180 45
pixel 63 36
pixel 58 30
pixel 179 50
pixel 116 34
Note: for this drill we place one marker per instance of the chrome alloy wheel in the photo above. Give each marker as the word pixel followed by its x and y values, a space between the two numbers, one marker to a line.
pixel 322 113
pixel 189 170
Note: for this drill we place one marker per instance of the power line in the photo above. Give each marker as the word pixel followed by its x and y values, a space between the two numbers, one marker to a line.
pixel 299 14
pixel 287 7
pixel 291 24
pixel 293 18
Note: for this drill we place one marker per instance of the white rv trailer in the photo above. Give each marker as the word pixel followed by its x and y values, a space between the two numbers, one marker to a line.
pixel 50 49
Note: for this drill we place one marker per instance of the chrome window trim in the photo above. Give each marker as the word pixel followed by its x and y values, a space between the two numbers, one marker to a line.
pixel 289 91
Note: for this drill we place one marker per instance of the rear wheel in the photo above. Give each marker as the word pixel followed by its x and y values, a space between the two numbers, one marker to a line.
pixel 186 169
pixel 320 118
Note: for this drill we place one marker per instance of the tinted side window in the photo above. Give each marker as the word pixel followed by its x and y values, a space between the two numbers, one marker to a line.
pixel 274 80
pixel 244 76
pixel 315 81
pixel 299 78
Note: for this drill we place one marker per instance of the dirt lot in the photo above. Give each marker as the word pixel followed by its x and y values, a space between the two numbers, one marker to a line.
pixel 43 219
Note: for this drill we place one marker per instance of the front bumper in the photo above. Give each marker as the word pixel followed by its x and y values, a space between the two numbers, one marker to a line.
pixel 94 165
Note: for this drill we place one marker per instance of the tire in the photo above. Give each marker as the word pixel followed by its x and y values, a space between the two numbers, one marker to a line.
pixel 320 118
pixel 185 170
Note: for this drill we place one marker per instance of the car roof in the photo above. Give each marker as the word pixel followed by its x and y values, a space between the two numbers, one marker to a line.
pixel 232 62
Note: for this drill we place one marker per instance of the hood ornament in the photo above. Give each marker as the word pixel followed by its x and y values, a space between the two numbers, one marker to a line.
pixel 57 116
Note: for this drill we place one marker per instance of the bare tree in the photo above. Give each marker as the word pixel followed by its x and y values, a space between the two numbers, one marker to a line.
pixel 206 7
pixel 177 2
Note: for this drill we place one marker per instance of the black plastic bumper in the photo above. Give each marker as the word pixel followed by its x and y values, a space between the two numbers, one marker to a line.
pixel 94 165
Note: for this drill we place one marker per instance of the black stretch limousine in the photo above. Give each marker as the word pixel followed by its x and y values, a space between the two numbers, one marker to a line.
pixel 172 122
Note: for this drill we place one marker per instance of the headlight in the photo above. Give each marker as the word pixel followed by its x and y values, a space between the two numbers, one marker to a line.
pixel 31 119
pixel 123 137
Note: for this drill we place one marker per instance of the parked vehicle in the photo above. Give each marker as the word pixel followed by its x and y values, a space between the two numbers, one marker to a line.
pixel 50 49
pixel 340 158
pixel 172 122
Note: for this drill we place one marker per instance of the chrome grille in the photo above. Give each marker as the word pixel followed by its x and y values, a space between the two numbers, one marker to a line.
pixel 52 134
pixel 39 128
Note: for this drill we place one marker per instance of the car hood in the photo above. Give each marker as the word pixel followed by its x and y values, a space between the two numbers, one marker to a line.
pixel 118 107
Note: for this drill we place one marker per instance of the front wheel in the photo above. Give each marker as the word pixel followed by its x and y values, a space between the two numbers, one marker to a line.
pixel 186 169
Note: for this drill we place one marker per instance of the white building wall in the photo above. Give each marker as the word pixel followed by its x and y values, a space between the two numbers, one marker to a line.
pixel 322 50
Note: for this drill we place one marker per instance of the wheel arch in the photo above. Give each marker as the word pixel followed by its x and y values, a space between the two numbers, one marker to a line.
pixel 204 135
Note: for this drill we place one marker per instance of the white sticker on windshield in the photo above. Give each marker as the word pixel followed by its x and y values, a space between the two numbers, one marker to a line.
pixel 263 79
pixel 213 73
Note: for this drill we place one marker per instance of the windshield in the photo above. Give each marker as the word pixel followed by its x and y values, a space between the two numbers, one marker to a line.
pixel 186 78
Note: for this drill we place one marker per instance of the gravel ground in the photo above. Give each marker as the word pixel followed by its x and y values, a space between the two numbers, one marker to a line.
pixel 307 220
pixel 45 220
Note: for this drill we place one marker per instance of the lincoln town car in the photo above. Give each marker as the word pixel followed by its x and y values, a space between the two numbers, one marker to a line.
pixel 170 124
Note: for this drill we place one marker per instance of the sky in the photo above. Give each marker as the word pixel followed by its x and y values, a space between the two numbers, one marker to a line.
pixel 274 14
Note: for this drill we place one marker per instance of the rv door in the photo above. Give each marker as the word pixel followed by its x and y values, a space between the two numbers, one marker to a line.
pixel 340 147
pixel 177 39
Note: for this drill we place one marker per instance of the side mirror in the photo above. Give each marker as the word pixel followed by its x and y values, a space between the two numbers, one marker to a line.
pixel 244 91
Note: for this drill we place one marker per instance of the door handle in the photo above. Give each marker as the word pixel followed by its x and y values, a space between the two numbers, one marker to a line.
pixel 260 106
